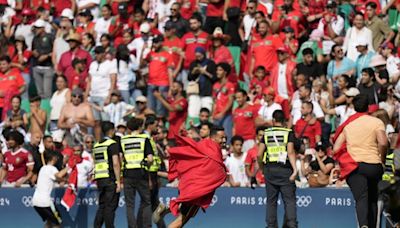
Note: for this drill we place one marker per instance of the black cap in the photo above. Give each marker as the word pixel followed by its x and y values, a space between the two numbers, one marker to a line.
pixel 99 50
pixel 158 38
pixel 287 29
pixel 320 146
pixel 331 4
pixel 169 25
pixel 85 13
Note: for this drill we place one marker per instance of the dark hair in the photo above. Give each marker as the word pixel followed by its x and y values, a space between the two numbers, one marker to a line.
pixel 91 37
pixel 18 97
pixel 108 7
pixel 106 126
pixel 260 67
pixel 369 71
pixel 34 99
pixel 373 5
pixel 138 10
pixel 122 54
pixel 107 36
pixel 333 50
pixel 307 87
pixel 179 83
pixel 16 136
pixel 47 137
pixel 207 123
pixel 261 12
pixel 359 14
pixel 99 50
pixel 307 51
pixel 351 82
pixel 134 124
pixel 278 116
pixel 252 1
pixel 150 119
pixel 5 58
pixel 360 103
pixel 309 104
pixel 50 155
pixel 242 91
pixel 262 22
pixel 225 66
pixel 260 128
pixel 236 138
pixel 205 110
pixel 215 130
pixel 197 17
pixel 75 62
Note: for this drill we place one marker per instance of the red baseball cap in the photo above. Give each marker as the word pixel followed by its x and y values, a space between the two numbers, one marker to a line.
pixel 388 45
pixel 283 49
pixel 269 91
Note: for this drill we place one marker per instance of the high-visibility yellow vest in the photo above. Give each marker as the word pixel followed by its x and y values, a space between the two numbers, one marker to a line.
pixel 155 165
pixel 276 139
pixel 133 150
pixel 100 155
pixel 389 168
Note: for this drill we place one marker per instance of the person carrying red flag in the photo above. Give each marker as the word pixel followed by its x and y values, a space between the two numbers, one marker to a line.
pixel 200 169
pixel 360 148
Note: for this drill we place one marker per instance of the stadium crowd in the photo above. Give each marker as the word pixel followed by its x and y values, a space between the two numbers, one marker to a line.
pixel 186 67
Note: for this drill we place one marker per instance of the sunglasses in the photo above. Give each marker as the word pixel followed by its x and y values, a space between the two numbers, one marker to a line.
pixel 174 9
pixel 76 95
pixel 89 142
pixel 140 102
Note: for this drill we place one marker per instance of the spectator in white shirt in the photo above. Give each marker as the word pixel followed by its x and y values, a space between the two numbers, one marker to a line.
pixel 41 199
pixel 354 35
pixel 267 108
pixel 125 68
pixel 92 5
pixel 236 165
pixel 163 12
pixel 103 23
pixel 101 81
pixel 117 109
pixel 142 45
pixel 392 62
pixel 305 95
pixel 343 111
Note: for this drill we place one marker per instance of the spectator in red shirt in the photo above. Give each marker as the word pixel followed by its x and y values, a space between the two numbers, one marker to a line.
pixel 215 12
pixel 173 45
pixel 191 40
pixel 18 162
pixel 21 59
pixel 259 83
pixel 308 125
pixel 251 162
pixel 244 120
pixel 86 24
pixel 263 48
pixel 160 75
pixel 287 15
pixel 220 53
pixel 65 64
pixel 177 106
pixel 11 83
pixel 223 92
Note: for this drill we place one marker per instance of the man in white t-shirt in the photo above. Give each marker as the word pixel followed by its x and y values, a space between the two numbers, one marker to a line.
pixel 236 165
pixel 41 200
pixel 101 82
pixel 305 95
pixel 267 108
pixel 392 62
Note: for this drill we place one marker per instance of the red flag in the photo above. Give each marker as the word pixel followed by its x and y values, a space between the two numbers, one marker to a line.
pixel 70 193
pixel 346 162
pixel 200 170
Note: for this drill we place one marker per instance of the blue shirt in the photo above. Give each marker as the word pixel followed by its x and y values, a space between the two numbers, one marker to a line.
pixel 363 62
pixel 347 64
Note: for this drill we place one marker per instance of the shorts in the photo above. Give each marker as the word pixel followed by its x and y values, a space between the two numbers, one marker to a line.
pixel 188 211
pixel 99 101
pixel 49 214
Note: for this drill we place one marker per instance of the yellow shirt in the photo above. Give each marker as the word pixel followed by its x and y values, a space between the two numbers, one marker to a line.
pixel 361 139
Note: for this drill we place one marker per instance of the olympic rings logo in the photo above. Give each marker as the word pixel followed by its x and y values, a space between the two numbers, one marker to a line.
pixel 303 201
pixel 214 200
pixel 27 201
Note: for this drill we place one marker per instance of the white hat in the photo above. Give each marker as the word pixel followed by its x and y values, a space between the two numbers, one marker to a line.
pixel 362 42
pixel 377 60
pixel 144 27
pixel 352 92
pixel 141 99
pixel 67 13
pixel 39 23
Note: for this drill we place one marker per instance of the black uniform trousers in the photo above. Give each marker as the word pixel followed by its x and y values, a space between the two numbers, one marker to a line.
pixel 108 203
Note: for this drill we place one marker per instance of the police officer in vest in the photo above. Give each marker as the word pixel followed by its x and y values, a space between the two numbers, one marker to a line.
pixel 138 157
pixel 107 174
pixel 150 125
pixel 278 157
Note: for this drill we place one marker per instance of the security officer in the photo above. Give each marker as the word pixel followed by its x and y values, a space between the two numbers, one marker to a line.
pixel 150 125
pixel 107 174
pixel 138 155
pixel 278 157
pixel 388 175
